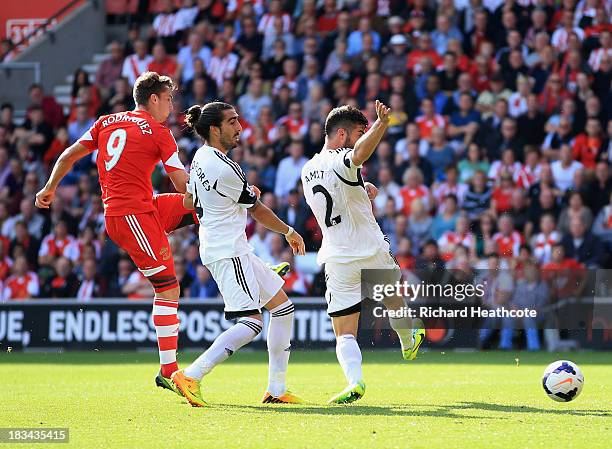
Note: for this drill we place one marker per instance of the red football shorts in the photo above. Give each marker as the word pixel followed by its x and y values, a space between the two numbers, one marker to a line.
pixel 144 238
pixel 172 213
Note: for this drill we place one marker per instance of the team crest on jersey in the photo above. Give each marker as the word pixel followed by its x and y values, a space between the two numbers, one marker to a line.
pixel 164 253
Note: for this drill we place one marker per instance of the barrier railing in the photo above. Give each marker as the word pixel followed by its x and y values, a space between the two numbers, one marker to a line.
pixel 40 30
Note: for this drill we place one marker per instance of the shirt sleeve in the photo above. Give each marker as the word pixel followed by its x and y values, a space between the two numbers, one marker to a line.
pixel 168 150
pixel 90 139
pixel 345 167
pixel 190 187
pixel 232 183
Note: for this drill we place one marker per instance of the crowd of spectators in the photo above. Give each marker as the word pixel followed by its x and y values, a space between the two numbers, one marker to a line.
pixel 498 147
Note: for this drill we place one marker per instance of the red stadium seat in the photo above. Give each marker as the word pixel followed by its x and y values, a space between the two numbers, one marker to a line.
pixel 156 6
pixel 119 7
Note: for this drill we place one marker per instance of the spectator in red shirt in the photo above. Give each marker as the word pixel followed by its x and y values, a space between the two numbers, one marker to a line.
pixel 451 240
pixel 600 23
pixel 424 50
pixel 59 144
pixel 328 19
pixel 58 244
pixel 405 258
pixel 502 194
pixel 507 239
pixel 481 71
pixel 564 275
pixel 414 189
pixel 463 62
pixel 5 262
pixel 552 96
pixel 22 284
pixel 429 119
pixel 588 146
pixel 295 122
pixel 52 111
pixel 162 63
pixel 88 97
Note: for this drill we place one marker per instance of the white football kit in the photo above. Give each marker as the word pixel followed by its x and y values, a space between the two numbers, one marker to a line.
pixel 221 196
pixel 352 239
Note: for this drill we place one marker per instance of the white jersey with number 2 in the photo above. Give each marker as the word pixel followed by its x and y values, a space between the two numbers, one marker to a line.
pixel 335 191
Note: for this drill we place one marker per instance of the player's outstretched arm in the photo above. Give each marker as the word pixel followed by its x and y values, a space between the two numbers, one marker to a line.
pixel 367 143
pixel 62 166
pixel 264 215
pixel 188 201
pixel 179 179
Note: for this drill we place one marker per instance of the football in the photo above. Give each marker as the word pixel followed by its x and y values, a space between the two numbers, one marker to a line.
pixel 563 381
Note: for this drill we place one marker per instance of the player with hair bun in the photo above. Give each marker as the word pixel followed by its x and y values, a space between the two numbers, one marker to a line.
pixel 220 194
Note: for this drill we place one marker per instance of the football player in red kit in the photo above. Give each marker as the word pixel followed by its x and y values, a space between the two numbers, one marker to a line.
pixel 130 145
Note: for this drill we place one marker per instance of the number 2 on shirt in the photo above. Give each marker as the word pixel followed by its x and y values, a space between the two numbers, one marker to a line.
pixel 329 204
pixel 115 146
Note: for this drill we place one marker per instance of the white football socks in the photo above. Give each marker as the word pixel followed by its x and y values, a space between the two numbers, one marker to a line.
pixel 241 333
pixel 349 356
pixel 403 329
pixel 279 346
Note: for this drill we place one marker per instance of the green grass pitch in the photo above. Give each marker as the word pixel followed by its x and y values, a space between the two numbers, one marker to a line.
pixel 442 400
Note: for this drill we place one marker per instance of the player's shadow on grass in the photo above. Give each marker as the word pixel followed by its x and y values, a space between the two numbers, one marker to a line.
pixel 435 411
pixel 357 410
pixel 489 407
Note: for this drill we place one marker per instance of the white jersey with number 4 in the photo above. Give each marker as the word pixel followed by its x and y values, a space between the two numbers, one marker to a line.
pixel 221 196
pixel 335 192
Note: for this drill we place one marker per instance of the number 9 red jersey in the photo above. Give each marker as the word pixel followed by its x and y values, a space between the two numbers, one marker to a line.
pixel 130 144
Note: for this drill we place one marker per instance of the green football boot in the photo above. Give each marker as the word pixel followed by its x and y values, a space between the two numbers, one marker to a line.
pixel 163 382
pixel 350 394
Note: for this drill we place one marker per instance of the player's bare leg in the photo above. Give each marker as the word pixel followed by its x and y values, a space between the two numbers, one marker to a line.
pixel 411 332
pixel 279 348
pixel 349 357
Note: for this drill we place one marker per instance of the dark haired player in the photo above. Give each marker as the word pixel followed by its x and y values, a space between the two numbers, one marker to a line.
pixel 221 196
pixel 352 239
